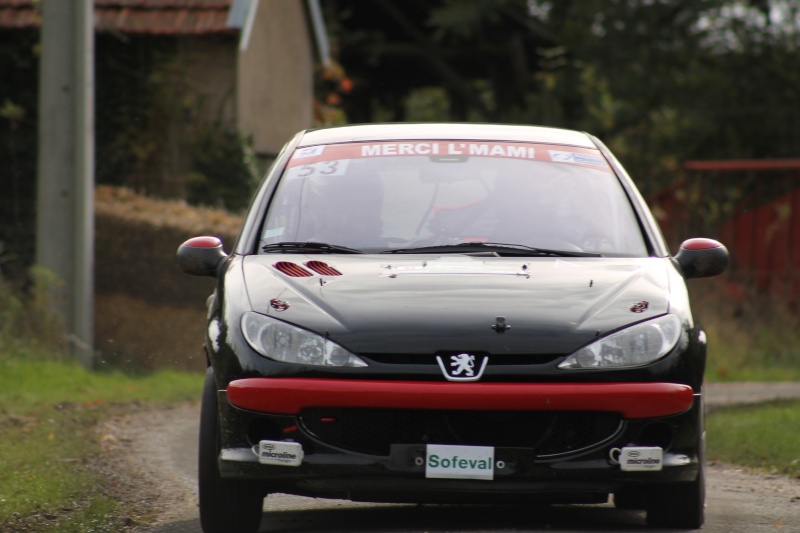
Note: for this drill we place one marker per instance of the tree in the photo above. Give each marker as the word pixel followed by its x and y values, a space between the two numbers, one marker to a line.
pixel 19 66
pixel 481 53
pixel 661 81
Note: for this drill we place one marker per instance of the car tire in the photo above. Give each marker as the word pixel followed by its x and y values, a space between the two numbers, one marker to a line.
pixel 630 499
pixel 682 505
pixel 225 504
pixel 679 505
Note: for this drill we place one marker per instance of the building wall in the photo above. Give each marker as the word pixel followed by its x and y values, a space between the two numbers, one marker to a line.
pixel 205 99
pixel 156 95
pixel 275 76
pixel 210 64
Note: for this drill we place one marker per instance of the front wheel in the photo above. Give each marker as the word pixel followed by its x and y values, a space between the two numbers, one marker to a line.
pixel 682 505
pixel 630 499
pixel 226 505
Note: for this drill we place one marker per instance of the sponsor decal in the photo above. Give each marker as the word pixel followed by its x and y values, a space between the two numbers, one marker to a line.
pixel 459 462
pixel 278 304
pixel 268 452
pixel 519 151
pixel 310 158
pixel 576 157
pixel 632 459
pixel 280 453
pixel 374 150
pixel 311 151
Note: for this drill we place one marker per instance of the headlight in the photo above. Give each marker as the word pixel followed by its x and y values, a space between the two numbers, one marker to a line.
pixel 289 344
pixel 634 346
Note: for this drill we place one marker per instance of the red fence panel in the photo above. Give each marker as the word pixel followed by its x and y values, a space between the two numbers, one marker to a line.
pixel 752 206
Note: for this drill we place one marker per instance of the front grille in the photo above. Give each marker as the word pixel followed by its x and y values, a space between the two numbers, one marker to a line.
pixel 429 359
pixel 373 431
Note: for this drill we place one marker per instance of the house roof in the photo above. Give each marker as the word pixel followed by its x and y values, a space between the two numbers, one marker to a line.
pixel 18 14
pixel 155 17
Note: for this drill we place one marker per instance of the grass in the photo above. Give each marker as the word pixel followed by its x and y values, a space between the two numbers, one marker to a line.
pixel 751 337
pixel 48 412
pixel 763 436
pixel 751 350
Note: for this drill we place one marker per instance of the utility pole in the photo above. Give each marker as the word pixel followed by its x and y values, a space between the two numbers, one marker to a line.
pixel 65 186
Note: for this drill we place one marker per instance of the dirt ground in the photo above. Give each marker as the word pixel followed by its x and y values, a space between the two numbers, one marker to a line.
pixel 151 455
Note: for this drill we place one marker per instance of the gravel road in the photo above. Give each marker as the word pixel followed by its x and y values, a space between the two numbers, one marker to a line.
pixel 152 455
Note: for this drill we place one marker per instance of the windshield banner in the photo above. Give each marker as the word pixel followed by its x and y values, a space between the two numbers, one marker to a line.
pixel 451 149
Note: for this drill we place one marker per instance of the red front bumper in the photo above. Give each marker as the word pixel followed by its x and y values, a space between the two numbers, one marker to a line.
pixel 288 396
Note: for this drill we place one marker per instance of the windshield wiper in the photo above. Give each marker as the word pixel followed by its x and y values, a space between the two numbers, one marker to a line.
pixel 309 247
pixel 497 247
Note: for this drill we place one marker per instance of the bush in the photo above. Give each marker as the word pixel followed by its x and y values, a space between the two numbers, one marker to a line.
pixel 26 313
pixel 225 173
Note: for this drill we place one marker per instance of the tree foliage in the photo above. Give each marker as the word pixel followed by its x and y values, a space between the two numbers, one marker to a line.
pixel 18 115
pixel 149 130
pixel 481 53
pixel 662 81
pixel 225 171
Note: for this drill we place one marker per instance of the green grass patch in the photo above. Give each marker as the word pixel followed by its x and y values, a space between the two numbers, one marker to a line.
pixel 761 436
pixel 48 412
pixel 757 350
pixel 751 336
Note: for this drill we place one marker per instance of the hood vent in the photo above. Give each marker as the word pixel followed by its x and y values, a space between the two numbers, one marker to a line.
pixel 293 270
pixel 323 269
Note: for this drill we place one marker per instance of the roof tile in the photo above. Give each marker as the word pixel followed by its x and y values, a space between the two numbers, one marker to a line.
pixel 158 17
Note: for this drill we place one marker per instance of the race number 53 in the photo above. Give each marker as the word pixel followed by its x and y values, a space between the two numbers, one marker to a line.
pixel 323 168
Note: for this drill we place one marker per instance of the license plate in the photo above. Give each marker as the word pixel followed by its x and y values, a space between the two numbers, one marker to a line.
pixel 459 462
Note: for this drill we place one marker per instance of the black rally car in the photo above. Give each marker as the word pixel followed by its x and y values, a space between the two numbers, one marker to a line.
pixel 451 313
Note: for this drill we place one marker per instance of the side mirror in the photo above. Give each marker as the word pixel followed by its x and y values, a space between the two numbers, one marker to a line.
pixel 702 258
pixel 200 256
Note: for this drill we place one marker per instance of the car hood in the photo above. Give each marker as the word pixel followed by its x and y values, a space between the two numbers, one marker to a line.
pixel 423 304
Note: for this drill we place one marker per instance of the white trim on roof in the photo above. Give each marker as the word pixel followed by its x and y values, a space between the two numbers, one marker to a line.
pixel 467 131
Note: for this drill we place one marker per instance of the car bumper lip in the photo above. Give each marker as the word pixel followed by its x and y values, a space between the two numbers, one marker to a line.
pixel 403 479
pixel 288 396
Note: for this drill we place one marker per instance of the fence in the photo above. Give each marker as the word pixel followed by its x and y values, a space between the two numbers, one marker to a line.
pixel 751 206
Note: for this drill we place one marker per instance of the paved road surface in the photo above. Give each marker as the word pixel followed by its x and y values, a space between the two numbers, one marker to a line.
pixel 718 394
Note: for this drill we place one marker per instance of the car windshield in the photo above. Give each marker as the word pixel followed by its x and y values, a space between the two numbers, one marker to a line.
pixel 385 196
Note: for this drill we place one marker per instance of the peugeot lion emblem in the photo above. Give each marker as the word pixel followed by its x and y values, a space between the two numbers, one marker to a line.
pixel 463 366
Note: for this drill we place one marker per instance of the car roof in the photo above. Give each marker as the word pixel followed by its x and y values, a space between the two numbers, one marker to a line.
pixel 445 131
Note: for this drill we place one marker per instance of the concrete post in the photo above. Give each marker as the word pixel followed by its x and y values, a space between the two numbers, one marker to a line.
pixel 65 187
